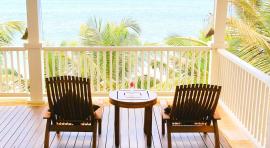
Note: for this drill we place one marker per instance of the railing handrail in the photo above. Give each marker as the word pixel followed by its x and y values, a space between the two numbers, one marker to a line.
pixel 128 48
pixel 12 48
pixel 246 66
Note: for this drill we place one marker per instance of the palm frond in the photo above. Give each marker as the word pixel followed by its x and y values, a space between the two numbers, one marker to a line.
pixel 184 41
pixel 8 29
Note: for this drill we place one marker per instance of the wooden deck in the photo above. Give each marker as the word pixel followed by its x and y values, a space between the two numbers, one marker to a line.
pixel 23 127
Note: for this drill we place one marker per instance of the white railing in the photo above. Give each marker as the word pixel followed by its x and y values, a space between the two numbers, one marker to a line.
pixel 14 77
pixel 155 68
pixel 246 92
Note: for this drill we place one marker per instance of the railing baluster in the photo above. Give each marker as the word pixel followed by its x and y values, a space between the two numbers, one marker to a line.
pixel 199 68
pixel 12 71
pixel 136 69
pixel 129 66
pixel 142 70
pixel 205 66
pixel 104 71
pixel 148 69
pixel 91 61
pixel 25 63
pixel 66 72
pixel 173 70
pixel 59 63
pixel 180 69
pixel 85 67
pixel 192 67
pixel 117 70
pixel 53 63
pixel 186 68
pixel 98 71
pixel 123 69
pixel 19 70
pixel 111 66
pixel 155 69
pixel 6 69
pixel 161 70
pixel 167 69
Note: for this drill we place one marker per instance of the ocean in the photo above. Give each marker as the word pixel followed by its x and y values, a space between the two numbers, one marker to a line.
pixel 158 19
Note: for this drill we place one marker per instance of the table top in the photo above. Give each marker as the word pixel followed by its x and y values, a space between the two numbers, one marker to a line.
pixel 137 98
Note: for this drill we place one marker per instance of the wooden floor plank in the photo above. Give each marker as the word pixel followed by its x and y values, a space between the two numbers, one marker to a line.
pixel 155 130
pixel 16 129
pixel 24 127
pixel 198 138
pixel 207 140
pixel 124 131
pixel 87 140
pixel 176 140
pixel 139 126
pixel 110 132
pixel 21 130
pixel 10 127
pixel 35 128
pixel 132 129
pixel 7 120
pixel 105 120
pixel 79 140
pixel 6 113
pixel 72 139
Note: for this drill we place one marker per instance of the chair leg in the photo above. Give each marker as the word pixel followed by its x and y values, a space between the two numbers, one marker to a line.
pixel 208 124
pixel 169 136
pixel 217 143
pixel 163 127
pixel 99 126
pixel 47 134
pixel 95 136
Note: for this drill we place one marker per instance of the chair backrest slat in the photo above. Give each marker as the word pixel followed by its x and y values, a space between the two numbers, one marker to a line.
pixel 195 102
pixel 69 99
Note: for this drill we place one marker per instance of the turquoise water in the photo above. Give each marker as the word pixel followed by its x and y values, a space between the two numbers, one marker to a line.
pixel 158 19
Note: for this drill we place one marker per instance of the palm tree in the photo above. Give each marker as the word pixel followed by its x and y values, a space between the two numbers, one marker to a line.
pixel 95 33
pixel 8 30
pixel 249 32
pixel 110 34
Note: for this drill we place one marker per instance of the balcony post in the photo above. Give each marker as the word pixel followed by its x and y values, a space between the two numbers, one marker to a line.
pixel 218 42
pixel 34 50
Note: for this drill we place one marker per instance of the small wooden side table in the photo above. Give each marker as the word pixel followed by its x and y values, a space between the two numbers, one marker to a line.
pixel 133 99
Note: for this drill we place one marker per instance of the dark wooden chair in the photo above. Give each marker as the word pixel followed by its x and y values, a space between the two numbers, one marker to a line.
pixel 193 110
pixel 70 107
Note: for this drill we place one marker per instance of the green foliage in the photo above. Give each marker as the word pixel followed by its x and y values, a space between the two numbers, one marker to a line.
pixel 249 32
pixel 184 41
pixel 8 30
pixel 110 34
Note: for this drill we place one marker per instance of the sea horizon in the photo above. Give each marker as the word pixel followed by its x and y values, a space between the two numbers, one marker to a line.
pixel 158 19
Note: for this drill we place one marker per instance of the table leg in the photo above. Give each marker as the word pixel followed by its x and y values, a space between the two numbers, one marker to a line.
pixel 145 121
pixel 116 126
pixel 148 124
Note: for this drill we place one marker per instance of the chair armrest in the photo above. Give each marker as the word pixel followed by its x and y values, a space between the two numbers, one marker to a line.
pixel 217 116
pixel 47 115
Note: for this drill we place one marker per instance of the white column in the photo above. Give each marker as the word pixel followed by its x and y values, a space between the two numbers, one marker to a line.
pixel 218 42
pixel 220 16
pixel 34 50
